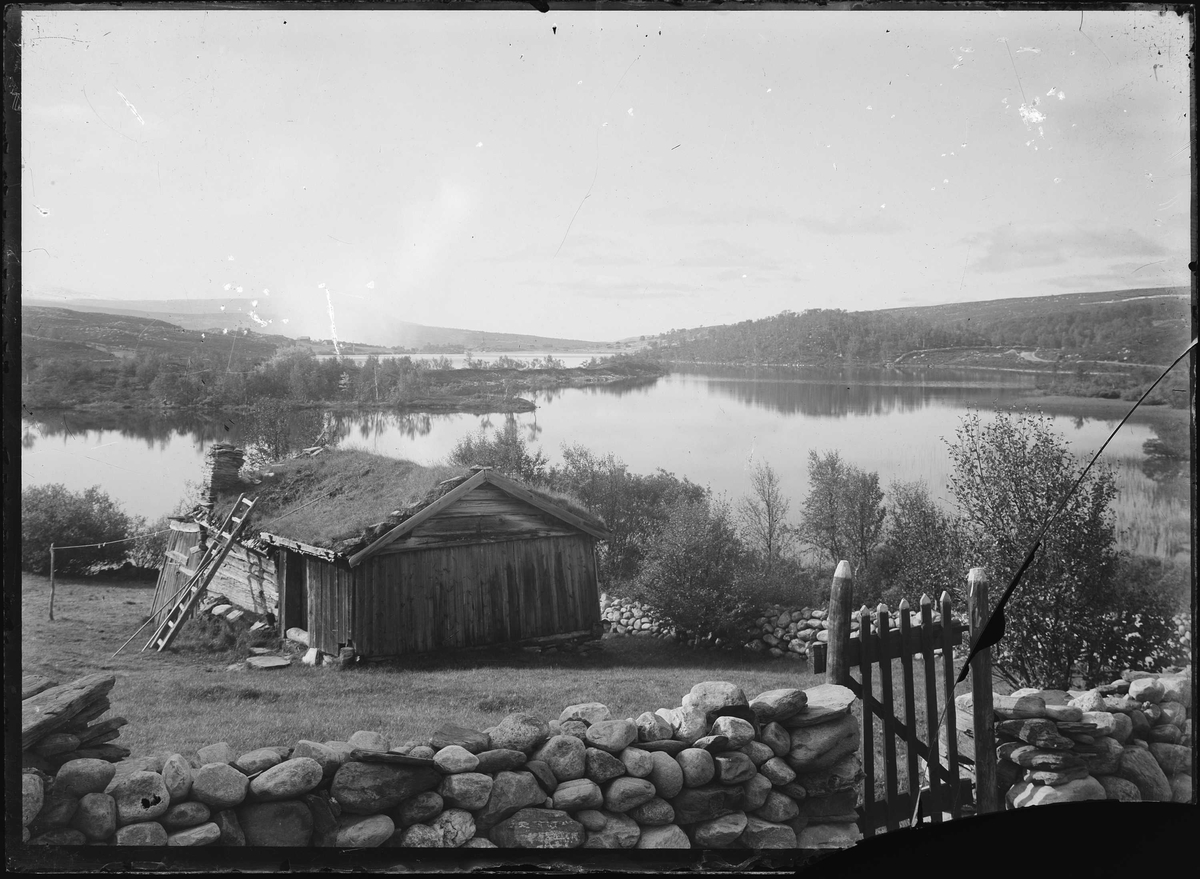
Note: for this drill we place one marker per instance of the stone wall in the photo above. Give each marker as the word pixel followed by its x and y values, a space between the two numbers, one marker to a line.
pixel 1131 740
pixel 780 770
pixel 781 632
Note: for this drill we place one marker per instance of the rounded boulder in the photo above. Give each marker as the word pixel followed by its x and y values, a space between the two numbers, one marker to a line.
pixel 142 796
pixel 612 736
pixel 219 785
pixel 566 756
pixel 75 778
pixel 287 780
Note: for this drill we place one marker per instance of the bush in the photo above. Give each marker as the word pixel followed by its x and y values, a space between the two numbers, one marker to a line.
pixel 632 506
pixel 693 575
pixel 275 429
pixel 52 514
pixel 505 451
pixel 922 552
pixel 1136 628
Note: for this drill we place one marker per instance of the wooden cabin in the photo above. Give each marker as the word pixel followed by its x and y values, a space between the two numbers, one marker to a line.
pixel 487 562
pixel 479 560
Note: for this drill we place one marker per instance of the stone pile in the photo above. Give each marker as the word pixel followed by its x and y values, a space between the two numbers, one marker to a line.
pixel 719 771
pixel 64 723
pixel 781 632
pixel 222 464
pixel 1130 740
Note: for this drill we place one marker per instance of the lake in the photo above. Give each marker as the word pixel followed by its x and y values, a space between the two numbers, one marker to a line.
pixel 708 423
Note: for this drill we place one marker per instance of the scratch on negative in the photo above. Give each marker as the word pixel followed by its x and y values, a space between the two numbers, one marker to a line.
pixel 132 109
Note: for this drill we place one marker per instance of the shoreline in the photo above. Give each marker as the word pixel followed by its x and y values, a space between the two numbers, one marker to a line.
pixel 475 392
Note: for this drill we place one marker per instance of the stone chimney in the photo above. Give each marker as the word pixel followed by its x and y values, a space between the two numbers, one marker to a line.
pixel 221 467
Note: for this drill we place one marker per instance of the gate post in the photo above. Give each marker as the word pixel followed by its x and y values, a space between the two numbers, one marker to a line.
pixel 986 791
pixel 841 594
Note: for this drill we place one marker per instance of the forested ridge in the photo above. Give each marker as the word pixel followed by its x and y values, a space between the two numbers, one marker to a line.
pixel 1136 329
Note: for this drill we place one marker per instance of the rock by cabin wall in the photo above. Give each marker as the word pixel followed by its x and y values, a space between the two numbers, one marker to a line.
pixel 780 770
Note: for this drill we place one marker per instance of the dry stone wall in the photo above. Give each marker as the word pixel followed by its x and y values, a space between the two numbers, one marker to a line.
pixel 781 632
pixel 780 770
pixel 1131 740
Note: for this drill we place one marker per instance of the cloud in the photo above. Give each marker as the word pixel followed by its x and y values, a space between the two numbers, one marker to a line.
pixel 739 215
pixel 1007 248
pixel 873 224
pixel 720 253
pixel 607 287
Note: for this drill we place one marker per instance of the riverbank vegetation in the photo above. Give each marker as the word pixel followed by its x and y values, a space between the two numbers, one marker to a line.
pixel 222 379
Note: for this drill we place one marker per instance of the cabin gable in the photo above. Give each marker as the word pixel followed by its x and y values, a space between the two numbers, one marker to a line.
pixel 486 514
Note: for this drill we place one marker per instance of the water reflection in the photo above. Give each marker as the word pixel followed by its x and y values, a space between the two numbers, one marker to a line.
pixel 854 390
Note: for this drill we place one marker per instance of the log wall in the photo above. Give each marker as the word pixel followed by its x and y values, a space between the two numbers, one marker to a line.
pixel 455 596
pixel 246 578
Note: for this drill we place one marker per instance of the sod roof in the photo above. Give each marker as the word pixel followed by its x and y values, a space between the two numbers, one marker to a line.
pixel 344 499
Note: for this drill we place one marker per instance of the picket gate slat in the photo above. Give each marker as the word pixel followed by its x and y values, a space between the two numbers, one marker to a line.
pixel 931 707
pixel 951 720
pixel 910 709
pixel 868 737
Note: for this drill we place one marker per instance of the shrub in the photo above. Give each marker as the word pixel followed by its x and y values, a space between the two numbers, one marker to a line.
pixel 505 451
pixel 922 552
pixel 693 575
pixel 275 429
pixel 1135 627
pixel 52 514
pixel 633 507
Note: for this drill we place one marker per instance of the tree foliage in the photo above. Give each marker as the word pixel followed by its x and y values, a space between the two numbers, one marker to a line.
pixel 763 517
pixel 843 513
pixel 274 430
pixel 1009 476
pixel 922 550
pixel 694 572
pixel 52 514
pixel 633 506
pixel 505 451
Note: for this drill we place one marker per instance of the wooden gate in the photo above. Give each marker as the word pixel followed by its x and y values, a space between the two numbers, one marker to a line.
pixel 865 649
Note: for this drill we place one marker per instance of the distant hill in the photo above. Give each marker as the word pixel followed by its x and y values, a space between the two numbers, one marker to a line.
pixel 1027 307
pixel 1147 326
pixel 97 337
pixel 231 314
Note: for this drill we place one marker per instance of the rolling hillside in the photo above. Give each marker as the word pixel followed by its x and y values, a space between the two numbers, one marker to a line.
pixel 238 314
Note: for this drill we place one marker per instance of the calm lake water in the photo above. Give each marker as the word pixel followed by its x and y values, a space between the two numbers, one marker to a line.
pixel 710 424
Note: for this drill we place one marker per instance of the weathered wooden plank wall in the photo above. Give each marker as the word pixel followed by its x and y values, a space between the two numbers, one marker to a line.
pixel 331 605
pixel 465 596
pixel 183 543
pixel 247 579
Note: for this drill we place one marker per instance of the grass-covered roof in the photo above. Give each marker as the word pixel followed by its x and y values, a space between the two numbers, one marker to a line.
pixel 343 499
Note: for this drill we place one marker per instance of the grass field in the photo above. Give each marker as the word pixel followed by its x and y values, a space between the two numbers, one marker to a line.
pixel 186 697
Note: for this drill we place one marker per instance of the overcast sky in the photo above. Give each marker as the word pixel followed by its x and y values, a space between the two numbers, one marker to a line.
pixel 599 175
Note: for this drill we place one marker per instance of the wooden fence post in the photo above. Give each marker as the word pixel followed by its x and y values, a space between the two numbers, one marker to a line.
pixel 51 581
pixel 986 792
pixel 840 596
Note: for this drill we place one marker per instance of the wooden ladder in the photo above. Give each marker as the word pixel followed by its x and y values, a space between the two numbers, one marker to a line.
pixel 200 576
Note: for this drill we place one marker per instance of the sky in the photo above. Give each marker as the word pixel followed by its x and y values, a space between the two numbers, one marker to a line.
pixel 601 174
